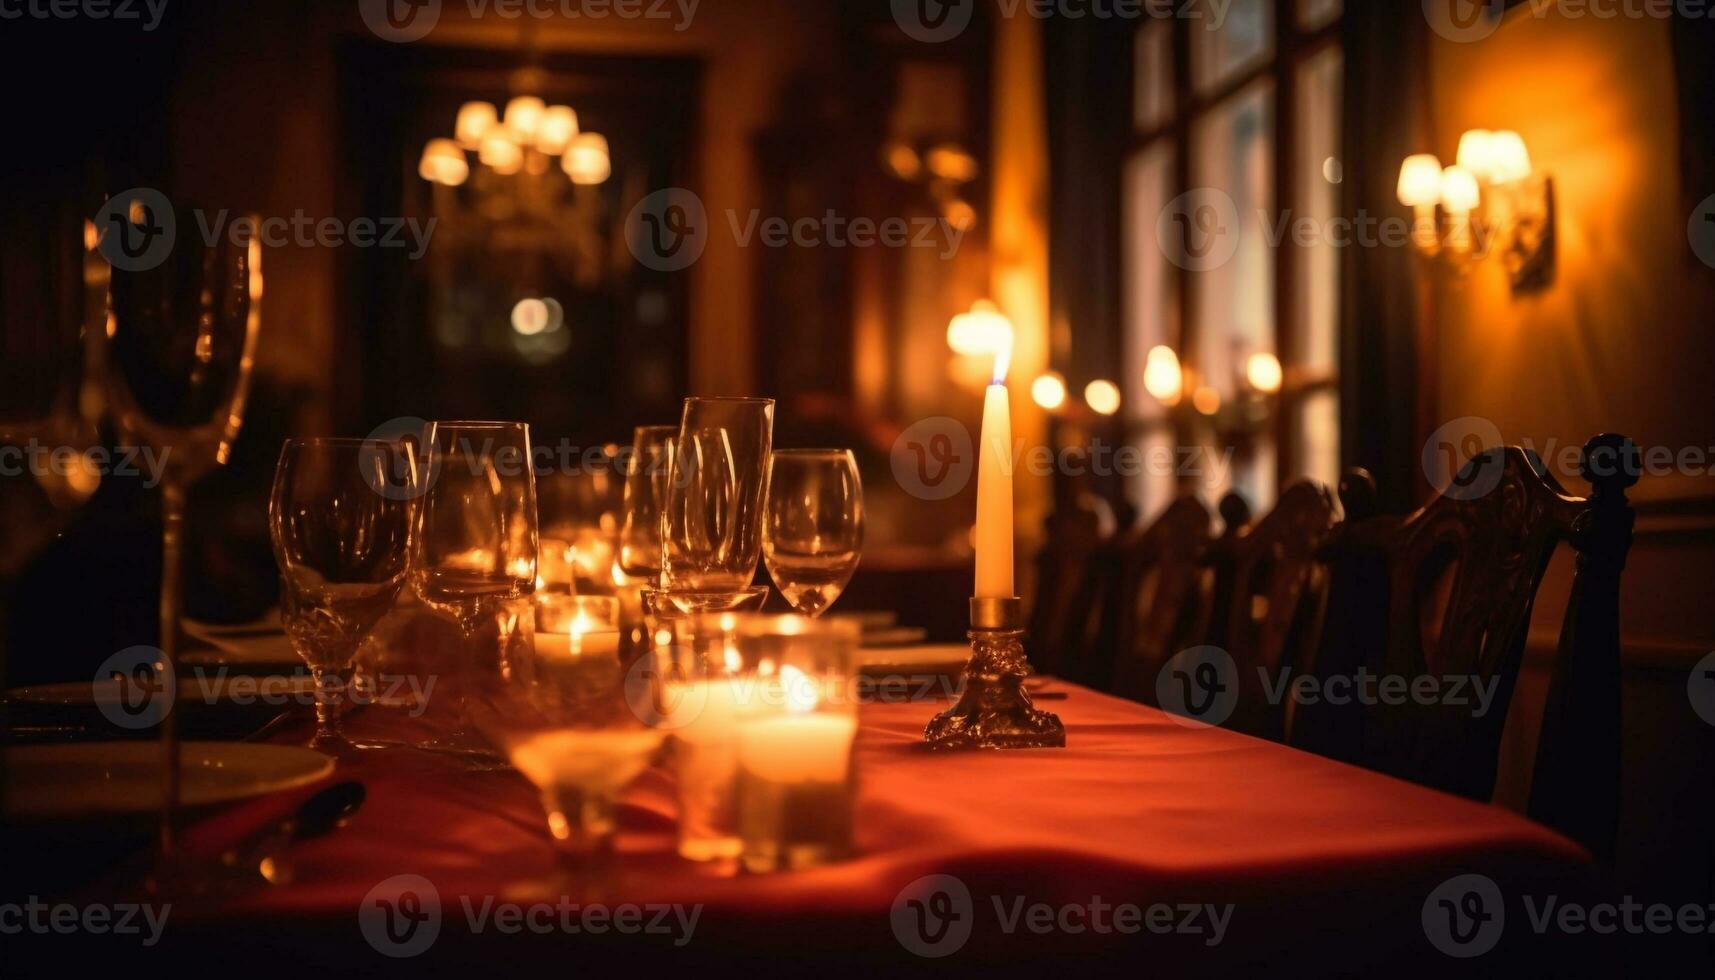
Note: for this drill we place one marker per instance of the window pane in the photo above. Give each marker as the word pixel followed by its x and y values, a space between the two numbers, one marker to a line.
pixel 1317 13
pixel 1152 98
pixel 1244 40
pixel 1152 313
pixel 1234 299
pixel 1319 437
pixel 1320 171
pixel 1234 154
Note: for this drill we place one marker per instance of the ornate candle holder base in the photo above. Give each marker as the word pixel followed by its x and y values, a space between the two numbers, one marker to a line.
pixel 994 712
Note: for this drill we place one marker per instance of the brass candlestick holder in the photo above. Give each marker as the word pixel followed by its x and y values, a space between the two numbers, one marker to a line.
pixel 994 712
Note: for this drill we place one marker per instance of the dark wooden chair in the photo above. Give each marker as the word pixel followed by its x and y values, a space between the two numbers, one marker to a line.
pixel 1062 629
pixel 1447 592
pixel 1156 597
pixel 1266 599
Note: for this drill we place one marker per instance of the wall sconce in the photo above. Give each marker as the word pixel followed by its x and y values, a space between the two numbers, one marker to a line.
pixel 1490 196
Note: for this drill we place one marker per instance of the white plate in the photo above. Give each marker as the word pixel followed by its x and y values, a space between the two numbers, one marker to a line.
pixel 928 658
pixel 202 689
pixel 113 778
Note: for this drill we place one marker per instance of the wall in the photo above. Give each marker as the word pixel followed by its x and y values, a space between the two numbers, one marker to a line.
pixel 1619 342
pixel 261 119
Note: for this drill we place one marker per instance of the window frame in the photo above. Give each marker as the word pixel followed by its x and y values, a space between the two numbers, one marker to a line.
pixel 1294 47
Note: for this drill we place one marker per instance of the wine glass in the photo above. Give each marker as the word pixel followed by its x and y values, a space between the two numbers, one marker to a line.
pixel 718 481
pixel 474 552
pixel 579 510
pixel 342 536
pixel 179 346
pixel 812 531
pixel 567 727
pixel 646 477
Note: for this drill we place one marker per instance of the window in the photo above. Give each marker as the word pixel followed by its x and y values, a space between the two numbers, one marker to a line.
pixel 1237 125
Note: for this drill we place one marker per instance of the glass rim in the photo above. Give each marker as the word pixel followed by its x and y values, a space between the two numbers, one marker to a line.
pixel 475 424
pixel 338 442
pixel 731 399
pixel 782 624
pixel 813 453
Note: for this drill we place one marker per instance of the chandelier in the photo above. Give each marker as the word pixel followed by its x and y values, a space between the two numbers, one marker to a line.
pixel 527 137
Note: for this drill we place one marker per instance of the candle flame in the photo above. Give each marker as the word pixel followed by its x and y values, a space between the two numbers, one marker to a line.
pixel 801 696
pixel 1002 361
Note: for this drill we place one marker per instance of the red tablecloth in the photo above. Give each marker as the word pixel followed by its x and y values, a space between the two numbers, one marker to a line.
pixel 1324 865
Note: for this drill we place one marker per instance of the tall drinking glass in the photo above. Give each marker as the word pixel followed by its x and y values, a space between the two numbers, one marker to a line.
pixel 180 343
pixel 812 534
pixel 717 485
pixel 342 536
pixel 475 548
pixel 646 475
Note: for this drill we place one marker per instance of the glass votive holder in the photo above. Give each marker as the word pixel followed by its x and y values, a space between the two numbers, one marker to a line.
pixel 577 646
pixel 716 674
pixel 796 778
pixel 796 786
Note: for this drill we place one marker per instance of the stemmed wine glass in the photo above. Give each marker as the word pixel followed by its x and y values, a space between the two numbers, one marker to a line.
pixel 567 727
pixel 180 343
pixel 474 552
pixel 718 481
pixel 646 477
pixel 342 534
pixel 812 531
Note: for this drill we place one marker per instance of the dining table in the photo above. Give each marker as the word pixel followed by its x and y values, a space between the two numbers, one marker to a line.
pixel 1149 839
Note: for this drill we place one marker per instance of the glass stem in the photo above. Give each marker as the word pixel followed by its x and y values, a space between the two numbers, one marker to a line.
pixel 172 547
pixel 331 687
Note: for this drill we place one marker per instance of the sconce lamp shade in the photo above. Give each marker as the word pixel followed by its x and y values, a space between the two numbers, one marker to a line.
pixel 1509 160
pixel 554 133
pixel 443 163
pixel 1459 191
pixel 474 121
pixel 523 115
pixel 501 152
pixel 587 160
pixel 1420 180
pixel 1477 153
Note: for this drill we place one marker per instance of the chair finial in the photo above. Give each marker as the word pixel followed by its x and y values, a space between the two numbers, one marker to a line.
pixel 1235 512
pixel 1611 463
pixel 1358 494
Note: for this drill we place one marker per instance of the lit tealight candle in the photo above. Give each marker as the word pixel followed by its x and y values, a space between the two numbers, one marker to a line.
pixel 795 787
pixel 576 626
